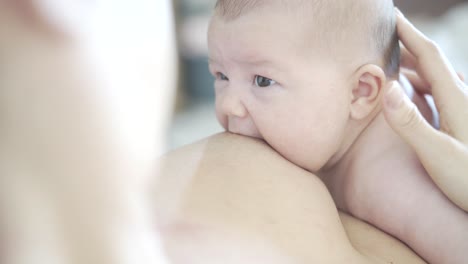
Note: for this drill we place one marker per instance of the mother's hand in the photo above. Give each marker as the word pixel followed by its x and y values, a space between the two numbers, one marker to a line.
pixel 444 153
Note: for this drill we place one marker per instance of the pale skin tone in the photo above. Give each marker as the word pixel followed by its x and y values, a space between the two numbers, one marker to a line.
pixel 74 168
pixel 268 87
pixel 297 75
pixel 53 48
pixel 235 183
pixel 431 73
pixel 406 202
pixel 363 237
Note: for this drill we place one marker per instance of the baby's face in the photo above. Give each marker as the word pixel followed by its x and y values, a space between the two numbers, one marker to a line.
pixel 271 85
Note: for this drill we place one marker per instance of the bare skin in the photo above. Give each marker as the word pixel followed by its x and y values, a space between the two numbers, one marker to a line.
pixel 236 183
pixel 73 168
pixel 309 117
pixel 433 74
pixel 393 181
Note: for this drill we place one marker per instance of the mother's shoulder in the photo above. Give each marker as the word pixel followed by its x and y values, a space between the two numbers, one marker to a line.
pixel 233 153
pixel 222 143
pixel 241 184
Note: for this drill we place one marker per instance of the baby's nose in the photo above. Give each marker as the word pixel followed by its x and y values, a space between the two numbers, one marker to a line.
pixel 231 104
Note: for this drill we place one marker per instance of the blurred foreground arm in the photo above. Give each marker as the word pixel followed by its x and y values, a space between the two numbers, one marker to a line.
pixel 80 109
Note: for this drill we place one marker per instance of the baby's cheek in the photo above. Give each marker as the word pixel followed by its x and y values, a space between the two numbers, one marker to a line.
pixel 221 117
pixel 300 147
pixel 286 143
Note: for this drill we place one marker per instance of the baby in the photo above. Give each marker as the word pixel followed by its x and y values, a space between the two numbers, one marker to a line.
pixel 308 78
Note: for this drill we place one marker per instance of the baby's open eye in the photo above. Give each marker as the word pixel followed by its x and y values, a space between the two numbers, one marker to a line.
pixel 222 77
pixel 261 81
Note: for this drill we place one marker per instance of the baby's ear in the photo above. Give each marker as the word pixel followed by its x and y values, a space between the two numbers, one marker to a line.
pixel 366 91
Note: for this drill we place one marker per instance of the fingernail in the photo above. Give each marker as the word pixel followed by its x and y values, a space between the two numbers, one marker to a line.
pixel 394 96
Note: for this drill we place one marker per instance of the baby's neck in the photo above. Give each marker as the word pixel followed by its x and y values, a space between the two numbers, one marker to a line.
pixel 351 157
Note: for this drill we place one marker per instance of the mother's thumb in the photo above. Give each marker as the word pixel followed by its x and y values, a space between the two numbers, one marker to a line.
pixel 404 117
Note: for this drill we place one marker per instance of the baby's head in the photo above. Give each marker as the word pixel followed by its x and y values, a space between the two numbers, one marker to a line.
pixel 304 75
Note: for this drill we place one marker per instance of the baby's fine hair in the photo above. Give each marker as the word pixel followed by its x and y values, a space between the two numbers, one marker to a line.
pixel 374 20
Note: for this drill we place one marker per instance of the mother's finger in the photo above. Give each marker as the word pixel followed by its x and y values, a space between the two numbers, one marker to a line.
pixel 430 60
pixel 429 144
pixel 449 92
pixel 419 84
pixel 407 60
pixel 409 67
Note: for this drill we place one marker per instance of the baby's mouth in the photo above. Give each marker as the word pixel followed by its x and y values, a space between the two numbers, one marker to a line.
pixel 234 130
pixel 250 132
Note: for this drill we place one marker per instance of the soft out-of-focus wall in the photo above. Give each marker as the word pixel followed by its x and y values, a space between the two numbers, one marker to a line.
pixel 429 7
pixel 194 116
pixel 193 26
pixel 446 22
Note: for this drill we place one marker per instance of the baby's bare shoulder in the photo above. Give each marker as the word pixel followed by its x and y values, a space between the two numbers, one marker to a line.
pixel 390 189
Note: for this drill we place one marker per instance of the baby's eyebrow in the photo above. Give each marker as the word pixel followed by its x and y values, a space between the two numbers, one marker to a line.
pixel 252 62
pixel 264 63
pixel 257 62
